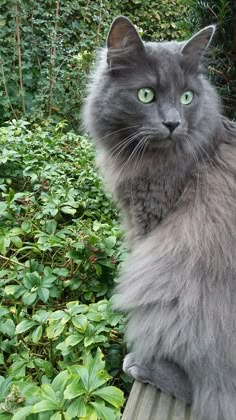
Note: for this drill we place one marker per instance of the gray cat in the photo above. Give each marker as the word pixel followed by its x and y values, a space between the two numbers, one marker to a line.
pixel 169 158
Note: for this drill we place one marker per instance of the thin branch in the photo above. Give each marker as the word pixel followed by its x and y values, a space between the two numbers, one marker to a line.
pixel 52 62
pixel 19 54
pixel 219 73
pixel 11 261
pixel 6 91
pixel 99 24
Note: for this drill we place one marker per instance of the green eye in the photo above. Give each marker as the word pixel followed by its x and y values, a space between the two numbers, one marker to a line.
pixel 186 98
pixel 146 95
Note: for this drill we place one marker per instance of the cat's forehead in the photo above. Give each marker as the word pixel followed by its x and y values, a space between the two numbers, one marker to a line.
pixel 164 60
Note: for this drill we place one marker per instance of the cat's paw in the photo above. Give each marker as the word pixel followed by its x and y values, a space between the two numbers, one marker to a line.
pixel 140 373
pixel 128 363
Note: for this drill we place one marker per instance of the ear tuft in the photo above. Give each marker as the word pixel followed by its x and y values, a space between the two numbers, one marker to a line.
pixel 123 43
pixel 122 32
pixel 195 47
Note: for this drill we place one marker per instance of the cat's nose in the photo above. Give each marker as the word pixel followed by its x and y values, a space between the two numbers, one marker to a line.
pixel 171 125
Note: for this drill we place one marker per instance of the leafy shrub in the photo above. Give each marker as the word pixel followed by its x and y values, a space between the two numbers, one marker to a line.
pixel 60 246
pixel 222 67
pixel 79 391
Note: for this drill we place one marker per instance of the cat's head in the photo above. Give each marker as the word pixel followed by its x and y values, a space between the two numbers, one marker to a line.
pixel 151 92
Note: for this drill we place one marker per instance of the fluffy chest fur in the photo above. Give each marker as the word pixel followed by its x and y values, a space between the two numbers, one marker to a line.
pixel 147 201
pixel 147 195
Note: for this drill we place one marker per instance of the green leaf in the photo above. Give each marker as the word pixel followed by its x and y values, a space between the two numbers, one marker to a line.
pixel 110 242
pixel 84 376
pixel 37 334
pixel 94 316
pixel 74 339
pixel 80 322
pixel 55 329
pixel 88 341
pixel 51 226
pixel 4 244
pixel 45 405
pixel 77 408
pixel 59 382
pixel 97 375
pixel 75 389
pixel 22 413
pixel 48 392
pixel 17 241
pixel 18 368
pixel 30 392
pixel 24 326
pixel 103 412
pixel 43 294
pixel 91 413
pixel 10 290
pixel 111 394
pixel 29 298
pixel 68 210
pixel 8 327
pixel 41 316
pixel 56 416
pixel 3 207
pixel 64 349
pixel 6 416
pixel 97 225
pixel 32 280
pixel 63 272
pixel 55 316
pixel 5 385
pixel 26 226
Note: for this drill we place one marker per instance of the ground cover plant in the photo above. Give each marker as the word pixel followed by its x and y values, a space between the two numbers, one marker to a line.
pixel 60 247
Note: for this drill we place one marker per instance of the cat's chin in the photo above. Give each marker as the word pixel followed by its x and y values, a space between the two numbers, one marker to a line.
pixel 161 143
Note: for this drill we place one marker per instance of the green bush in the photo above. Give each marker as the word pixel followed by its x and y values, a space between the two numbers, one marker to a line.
pixel 60 245
pixel 222 68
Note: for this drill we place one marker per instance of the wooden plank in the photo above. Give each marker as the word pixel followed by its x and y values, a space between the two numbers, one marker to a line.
pixel 180 411
pixel 164 408
pixel 133 400
pixel 147 403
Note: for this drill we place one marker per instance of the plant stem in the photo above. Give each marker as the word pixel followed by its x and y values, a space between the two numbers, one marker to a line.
pixel 19 54
pixel 11 261
pixel 6 90
pixel 52 61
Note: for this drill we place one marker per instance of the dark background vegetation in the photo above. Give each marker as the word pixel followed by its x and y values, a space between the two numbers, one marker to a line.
pixel 61 344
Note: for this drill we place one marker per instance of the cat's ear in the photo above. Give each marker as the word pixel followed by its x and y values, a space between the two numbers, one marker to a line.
pixel 195 47
pixel 123 43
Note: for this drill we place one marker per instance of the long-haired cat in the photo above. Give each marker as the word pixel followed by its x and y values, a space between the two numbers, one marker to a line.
pixel 169 158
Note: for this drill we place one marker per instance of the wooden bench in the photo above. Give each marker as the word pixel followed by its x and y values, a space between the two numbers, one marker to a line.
pixel 147 403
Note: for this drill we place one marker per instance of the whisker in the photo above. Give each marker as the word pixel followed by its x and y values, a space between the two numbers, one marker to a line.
pixel 128 161
pixel 120 148
pixel 139 154
pixel 117 131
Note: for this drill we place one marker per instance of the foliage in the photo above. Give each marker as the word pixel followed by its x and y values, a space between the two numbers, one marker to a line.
pixel 47 48
pixel 80 391
pixel 59 252
pixel 222 67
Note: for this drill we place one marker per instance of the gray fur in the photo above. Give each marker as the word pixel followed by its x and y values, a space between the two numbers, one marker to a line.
pixel 177 193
